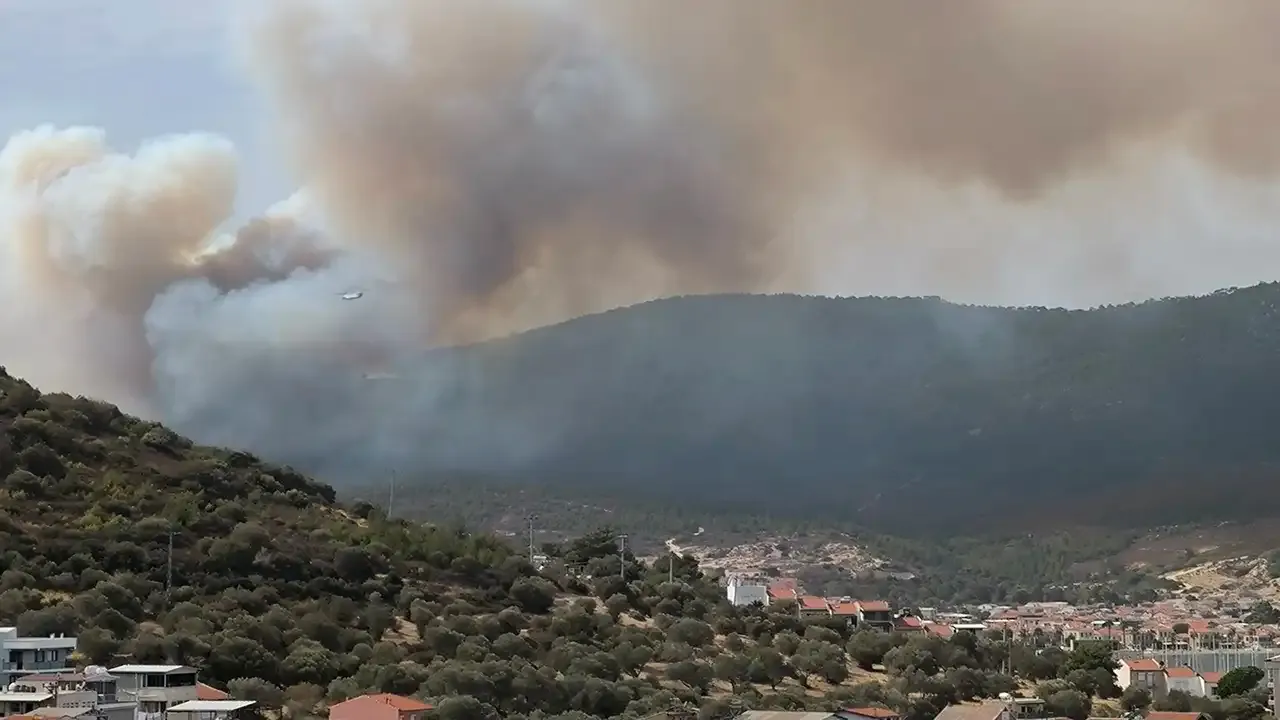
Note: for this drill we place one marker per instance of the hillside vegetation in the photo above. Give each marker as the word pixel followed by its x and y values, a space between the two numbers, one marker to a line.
pixel 286 597
pixel 908 416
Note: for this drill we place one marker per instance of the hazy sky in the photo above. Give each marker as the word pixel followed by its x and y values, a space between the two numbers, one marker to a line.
pixel 139 69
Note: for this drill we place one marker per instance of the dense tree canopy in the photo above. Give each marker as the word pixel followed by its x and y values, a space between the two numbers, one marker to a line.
pixel 902 415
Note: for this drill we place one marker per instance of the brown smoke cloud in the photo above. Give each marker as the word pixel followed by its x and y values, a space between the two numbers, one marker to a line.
pixel 498 164
pixel 522 157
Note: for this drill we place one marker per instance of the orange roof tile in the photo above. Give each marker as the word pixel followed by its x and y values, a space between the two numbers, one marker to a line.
pixel 873 605
pixel 209 692
pixel 810 602
pixel 1143 665
pixel 1180 672
pixel 874 712
pixel 1211 677
pixel 839 607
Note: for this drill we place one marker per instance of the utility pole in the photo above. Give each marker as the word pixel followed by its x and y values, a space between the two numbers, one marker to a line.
pixel 671 566
pixel 531 518
pixel 622 557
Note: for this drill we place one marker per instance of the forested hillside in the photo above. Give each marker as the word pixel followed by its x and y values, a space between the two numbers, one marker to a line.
pixel 911 416
pixel 283 596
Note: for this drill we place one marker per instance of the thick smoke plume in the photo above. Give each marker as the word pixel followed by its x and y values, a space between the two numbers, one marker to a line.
pixel 486 166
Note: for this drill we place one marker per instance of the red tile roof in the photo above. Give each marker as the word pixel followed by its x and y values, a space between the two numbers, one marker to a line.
pixel 943 631
pixel 1180 672
pixel 811 602
pixel 874 712
pixel 873 605
pixel 400 702
pixel 910 622
pixel 839 607
pixel 782 591
pixel 209 692
pixel 1211 677
pixel 1143 665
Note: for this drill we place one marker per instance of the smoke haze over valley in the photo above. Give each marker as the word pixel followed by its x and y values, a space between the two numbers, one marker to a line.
pixel 483 168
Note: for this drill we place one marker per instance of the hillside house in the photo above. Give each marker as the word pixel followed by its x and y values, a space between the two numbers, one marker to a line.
pixel 1145 673
pixel 812 606
pixel 746 591
pixel 845 609
pixel 1166 715
pixel 156 688
pixel 21 703
pixel 867 713
pixel 379 707
pixel 987 710
pixel 92 691
pixel 25 655
pixel 1184 679
pixel 876 614
pixel 1210 680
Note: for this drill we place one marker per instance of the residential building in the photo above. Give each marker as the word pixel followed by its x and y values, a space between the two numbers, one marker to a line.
pixel 213 710
pixel 92 691
pixel 744 591
pixel 867 713
pixel 1184 679
pixel 1144 673
pixel 209 692
pixel 844 608
pixel 1273 678
pixel 1210 682
pixel 1029 708
pixel 988 710
pixel 814 606
pixel 155 688
pixel 876 614
pixel 379 707
pixel 23 655
pixel 21 703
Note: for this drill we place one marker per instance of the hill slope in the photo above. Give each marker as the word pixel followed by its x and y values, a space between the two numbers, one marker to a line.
pixel 905 415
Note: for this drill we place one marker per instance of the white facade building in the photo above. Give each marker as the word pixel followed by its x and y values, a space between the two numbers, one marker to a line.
pixel 744 591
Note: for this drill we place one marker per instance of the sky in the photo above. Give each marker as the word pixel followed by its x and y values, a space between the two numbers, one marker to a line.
pixel 139 69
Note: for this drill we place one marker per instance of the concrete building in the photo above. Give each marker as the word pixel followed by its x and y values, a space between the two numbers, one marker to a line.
pixel 743 591
pixel 92 691
pixel 155 688
pixel 24 655
pixel 1273 677
pixel 20 703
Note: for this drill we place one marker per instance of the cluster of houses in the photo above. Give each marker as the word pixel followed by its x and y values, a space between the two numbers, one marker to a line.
pixel 744 590
pixel 1157 679
pixel 1168 624
pixel 37 680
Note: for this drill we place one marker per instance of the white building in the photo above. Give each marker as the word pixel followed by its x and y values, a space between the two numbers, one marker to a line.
pixel 155 688
pixel 743 591
pixel 25 655
pixel 1145 673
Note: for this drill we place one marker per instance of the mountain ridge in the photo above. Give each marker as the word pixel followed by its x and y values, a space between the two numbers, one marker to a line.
pixel 890 412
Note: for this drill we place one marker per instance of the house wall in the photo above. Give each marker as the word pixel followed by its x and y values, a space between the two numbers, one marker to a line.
pixel 743 595
pixel 1193 686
